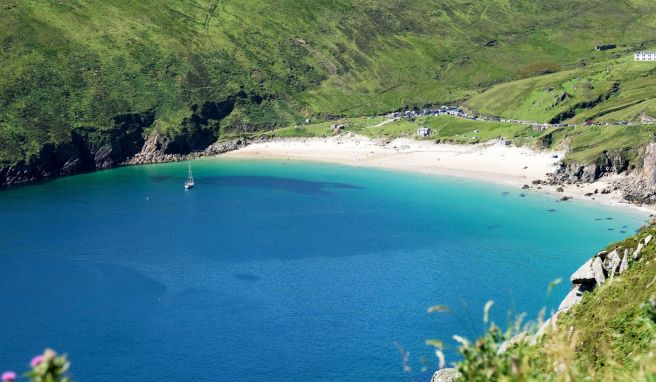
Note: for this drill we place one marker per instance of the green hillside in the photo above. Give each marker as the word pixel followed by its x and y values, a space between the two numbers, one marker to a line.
pixel 252 65
pixel 609 336
pixel 611 91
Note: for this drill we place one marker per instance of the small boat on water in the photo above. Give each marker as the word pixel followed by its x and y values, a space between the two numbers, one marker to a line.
pixel 190 180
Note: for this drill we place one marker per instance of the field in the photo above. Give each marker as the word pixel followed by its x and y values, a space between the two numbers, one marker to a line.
pixel 612 91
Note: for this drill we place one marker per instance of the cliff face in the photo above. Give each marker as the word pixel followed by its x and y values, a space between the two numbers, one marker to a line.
pixel 638 184
pixel 608 163
pixel 642 187
pixel 88 149
pixel 127 142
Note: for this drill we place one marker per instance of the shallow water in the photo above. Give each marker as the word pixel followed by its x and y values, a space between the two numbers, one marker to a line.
pixel 275 270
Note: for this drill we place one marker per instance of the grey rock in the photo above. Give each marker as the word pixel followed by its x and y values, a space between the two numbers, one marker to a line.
pixel 612 263
pixel 573 297
pixel 624 265
pixel 550 323
pixel 223 147
pixel 648 239
pixel 151 145
pixel 584 275
pixel 516 339
pixel 446 375
pixel 636 253
pixel 598 271
pixel 649 165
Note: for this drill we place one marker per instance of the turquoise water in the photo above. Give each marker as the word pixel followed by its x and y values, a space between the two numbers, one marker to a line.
pixel 277 271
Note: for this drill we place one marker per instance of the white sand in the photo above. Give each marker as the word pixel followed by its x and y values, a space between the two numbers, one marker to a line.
pixel 492 161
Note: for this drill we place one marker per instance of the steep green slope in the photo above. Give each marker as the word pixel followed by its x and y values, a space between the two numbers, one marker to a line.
pixel 103 72
pixel 611 91
pixel 610 335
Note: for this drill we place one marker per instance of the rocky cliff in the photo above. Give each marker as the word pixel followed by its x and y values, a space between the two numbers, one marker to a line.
pixel 637 167
pixel 616 162
pixel 132 139
pixel 87 149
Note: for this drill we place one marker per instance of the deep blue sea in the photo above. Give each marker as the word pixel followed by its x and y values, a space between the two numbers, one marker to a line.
pixel 275 271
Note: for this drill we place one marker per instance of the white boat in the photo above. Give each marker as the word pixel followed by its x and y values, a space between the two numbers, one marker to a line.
pixel 190 180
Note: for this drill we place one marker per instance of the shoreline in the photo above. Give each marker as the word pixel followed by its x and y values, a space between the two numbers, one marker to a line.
pixel 491 162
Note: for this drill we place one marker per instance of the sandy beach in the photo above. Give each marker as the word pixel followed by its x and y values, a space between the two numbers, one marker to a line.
pixel 491 161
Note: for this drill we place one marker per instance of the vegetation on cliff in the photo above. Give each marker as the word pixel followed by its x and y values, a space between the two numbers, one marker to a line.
pixel 71 67
pixel 610 335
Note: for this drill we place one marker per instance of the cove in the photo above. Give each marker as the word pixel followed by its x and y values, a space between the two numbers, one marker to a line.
pixel 276 270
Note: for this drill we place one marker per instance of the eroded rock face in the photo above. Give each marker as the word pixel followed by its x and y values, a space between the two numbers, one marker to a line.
pixel 609 163
pixel 573 297
pixel 640 185
pixel 91 148
pixel 598 270
pixel 648 172
pixel 612 262
pixel 584 275
pixel 88 149
pixel 624 264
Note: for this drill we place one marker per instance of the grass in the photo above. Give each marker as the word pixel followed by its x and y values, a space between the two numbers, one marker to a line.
pixel 609 336
pixel 78 64
pixel 587 143
pixel 616 90
pixel 583 144
pixel 614 325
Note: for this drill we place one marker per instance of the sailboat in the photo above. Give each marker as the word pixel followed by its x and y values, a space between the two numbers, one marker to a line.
pixel 190 180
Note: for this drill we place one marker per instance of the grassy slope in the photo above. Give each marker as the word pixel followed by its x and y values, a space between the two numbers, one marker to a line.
pixel 609 336
pixel 613 333
pixel 585 144
pixel 543 98
pixel 67 64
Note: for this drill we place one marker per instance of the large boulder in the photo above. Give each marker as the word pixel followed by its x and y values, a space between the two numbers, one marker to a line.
pixel 598 270
pixel 583 275
pixel 612 263
pixel 446 375
pixel 624 264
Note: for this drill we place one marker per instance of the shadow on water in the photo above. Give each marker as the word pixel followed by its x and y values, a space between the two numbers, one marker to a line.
pixel 269 182
pixel 160 178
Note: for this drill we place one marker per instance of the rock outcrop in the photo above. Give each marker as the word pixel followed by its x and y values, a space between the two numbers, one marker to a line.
pixel 87 149
pixel 574 296
pixel 596 271
pixel 130 141
pixel 446 375
pixel 640 187
pixel 615 162
pixel 638 181
pixel 583 275
pixel 152 153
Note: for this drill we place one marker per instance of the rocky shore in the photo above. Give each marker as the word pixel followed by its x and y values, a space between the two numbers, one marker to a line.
pixel 617 176
pixel 635 179
pixel 151 152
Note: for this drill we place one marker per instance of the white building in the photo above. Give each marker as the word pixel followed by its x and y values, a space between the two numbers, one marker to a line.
pixel 423 131
pixel 645 56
